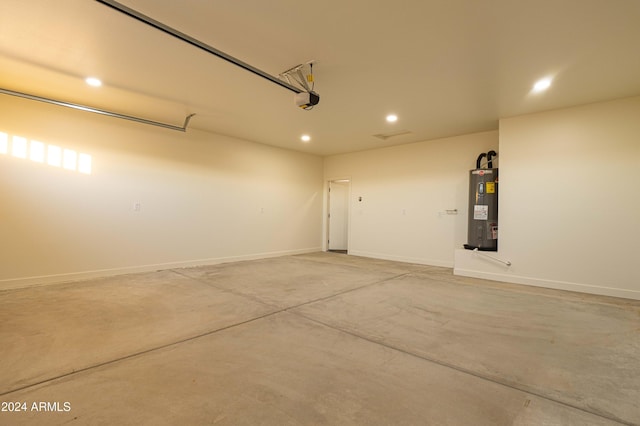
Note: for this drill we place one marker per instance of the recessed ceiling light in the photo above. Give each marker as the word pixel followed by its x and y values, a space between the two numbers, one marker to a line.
pixel 93 81
pixel 392 118
pixel 305 138
pixel 542 85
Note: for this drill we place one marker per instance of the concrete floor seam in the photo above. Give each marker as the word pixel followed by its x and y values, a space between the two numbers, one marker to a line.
pixel 140 353
pixel 208 333
pixel 423 268
pixel 462 370
pixel 291 309
pixel 225 290
pixel 340 293
pixel 281 309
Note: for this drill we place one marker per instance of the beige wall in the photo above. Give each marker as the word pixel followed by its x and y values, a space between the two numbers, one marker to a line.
pixel 203 198
pixel 569 204
pixel 568 210
pixel 405 192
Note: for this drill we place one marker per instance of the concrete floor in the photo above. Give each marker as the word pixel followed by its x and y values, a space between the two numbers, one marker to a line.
pixel 314 339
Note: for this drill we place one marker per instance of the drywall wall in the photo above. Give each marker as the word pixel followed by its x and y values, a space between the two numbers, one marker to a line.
pixel 400 196
pixel 569 205
pixel 155 198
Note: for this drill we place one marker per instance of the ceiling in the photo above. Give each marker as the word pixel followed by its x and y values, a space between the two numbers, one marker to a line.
pixel 445 67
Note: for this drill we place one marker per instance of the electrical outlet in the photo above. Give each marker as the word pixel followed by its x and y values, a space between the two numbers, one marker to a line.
pixel 137 206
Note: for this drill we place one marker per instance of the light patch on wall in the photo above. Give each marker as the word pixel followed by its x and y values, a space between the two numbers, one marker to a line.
pixel 84 163
pixel 36 152
pixel 69 159
pixel 40 152
pixel 19 147
pixel 54 156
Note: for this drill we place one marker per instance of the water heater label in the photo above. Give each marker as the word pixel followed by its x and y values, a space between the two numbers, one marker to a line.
pixel 491 187
pixel 480 212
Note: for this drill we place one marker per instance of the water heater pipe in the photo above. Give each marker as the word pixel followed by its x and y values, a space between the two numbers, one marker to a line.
pixel 490 156
pixel 506 262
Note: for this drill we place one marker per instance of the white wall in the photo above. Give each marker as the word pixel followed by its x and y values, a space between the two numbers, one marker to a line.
pixel 203 198
pixel 569 200
pixel 405 192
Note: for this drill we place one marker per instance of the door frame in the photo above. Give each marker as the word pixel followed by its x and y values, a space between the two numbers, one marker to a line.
pixel 327 200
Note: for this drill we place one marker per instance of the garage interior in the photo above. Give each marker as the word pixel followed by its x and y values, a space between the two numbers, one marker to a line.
pixel 183 244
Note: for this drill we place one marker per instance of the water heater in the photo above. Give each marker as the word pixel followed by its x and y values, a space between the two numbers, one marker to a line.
pixel 483 206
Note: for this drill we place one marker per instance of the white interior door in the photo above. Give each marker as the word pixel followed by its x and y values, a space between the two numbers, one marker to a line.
pixel 338 214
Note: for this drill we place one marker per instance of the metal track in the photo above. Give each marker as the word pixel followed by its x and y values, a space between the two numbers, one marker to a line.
pixel 98 111
pixel 195 42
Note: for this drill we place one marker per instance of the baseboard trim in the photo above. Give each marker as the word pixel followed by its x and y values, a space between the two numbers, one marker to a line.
pixel 15 283
pixel 428 262
pixel 558 285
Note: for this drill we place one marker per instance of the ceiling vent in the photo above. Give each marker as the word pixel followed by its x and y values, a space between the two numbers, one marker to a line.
pixel 385 136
